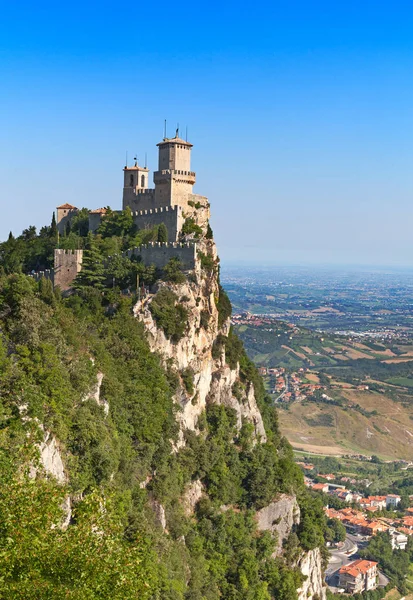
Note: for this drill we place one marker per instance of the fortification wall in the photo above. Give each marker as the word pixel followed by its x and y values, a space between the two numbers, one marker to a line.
pixel 46 274
pixel 67 264
pixel 170 215
pixel 159 254
pixel 141 200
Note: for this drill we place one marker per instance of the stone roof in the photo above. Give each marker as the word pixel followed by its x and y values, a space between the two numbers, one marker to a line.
pixel 175 140
pixel 67 206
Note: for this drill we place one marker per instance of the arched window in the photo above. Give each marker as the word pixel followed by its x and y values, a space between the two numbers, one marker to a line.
pixel 143 181
pixel 131 180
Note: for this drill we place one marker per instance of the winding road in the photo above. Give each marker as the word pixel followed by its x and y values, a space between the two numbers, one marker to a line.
pixel 343 556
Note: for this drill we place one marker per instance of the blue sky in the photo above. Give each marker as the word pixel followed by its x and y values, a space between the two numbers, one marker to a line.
pixel 301 113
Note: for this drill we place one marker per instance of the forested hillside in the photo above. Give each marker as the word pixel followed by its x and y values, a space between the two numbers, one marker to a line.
pixel 142 507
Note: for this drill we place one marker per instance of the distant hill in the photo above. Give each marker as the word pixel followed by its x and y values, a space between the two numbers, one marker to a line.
pixel 366 401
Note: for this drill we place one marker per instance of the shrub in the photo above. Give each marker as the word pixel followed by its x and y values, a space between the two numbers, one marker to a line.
pixel 205 319
pixel 187 376
pixel 169 314
pixel 173 271
pixel 194 204
pixel 224 306
pixel 207 262
pixel 233 349
pixel 218 346
pixel 190 227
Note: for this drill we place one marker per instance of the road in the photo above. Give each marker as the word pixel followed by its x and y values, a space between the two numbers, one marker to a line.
pixel 285 390
pixel 340 557
pixel 343 556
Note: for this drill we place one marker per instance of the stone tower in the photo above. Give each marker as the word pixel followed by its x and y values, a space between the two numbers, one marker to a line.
pixel 174 179
pixel 67 264
pixel 64 215
pixel 135 179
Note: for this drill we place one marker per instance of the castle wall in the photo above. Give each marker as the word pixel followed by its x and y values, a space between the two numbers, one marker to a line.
pixel 170 215
pixel 46 274
pixel 67 264
pixel 94 221
pixel 143 200
pixel 159 254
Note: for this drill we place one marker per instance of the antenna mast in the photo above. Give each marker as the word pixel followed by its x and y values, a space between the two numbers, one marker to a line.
pixel 126 164
pixel 164 130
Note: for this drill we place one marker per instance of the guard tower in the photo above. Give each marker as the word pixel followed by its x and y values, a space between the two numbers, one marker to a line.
pixel 135 179
pixel 174 179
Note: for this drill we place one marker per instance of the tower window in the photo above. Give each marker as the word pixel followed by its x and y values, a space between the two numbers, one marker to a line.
pixel 143 181
pixel 131 181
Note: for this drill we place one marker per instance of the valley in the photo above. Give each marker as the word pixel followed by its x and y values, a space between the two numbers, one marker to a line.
pixel 339 392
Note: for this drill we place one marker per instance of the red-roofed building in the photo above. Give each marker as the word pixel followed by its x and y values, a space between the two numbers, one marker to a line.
pixel 358 576
pixel 374 527
pixel 320 487
pixel 408 522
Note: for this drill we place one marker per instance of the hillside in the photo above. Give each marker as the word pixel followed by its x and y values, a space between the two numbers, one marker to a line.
pixel 367 384
pixel 138 445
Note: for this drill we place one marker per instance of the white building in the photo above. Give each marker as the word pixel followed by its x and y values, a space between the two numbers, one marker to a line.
pixel 392 500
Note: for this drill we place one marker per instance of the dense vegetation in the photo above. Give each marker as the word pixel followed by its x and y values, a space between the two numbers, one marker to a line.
pixel 120 465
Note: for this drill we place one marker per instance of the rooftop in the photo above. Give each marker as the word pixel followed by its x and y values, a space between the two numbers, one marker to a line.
pixel 67 206
pixel 175 140
pixel 135 167
pixel 358 567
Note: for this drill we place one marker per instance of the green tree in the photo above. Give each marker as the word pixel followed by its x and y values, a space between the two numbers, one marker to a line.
pixel 53 227
pixel 92 273
pixel 162 233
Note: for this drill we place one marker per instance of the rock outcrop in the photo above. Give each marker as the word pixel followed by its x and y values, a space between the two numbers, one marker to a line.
pixel 193 493
pixel 311 566
pixel 51 458
pixel 201 353
pixel 95 395
pixel 279 517
pixel 213 379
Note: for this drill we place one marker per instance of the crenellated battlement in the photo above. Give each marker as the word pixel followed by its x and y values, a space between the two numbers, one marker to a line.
pixel 152 211
pixel 62 251
pixel 142 192
pixel 160 245
pixel 160 253
pixel 46 274
pixel 175 172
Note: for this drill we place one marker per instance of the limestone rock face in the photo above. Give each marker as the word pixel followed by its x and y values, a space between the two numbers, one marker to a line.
pixel 51 458
pixel 311 566
pixel 213 379
pixel 94 394
pixel 279 517
pixel 52 463
pixel 159 512
pixel 192 495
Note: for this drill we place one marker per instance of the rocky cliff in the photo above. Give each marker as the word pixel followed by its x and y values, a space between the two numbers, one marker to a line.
pixel 214 381
pixel 310 564
pixel 282 517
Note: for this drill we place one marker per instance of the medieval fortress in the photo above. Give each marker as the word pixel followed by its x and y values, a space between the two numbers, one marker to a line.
pixel 171 201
